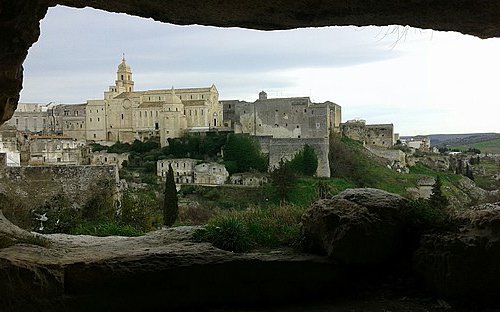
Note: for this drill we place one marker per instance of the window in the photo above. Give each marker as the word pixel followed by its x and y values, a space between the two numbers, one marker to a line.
pixel 305 110
pixel 98 119
pixel 122 116
pixel 90 119
pixel 122 77
pixel 298 126
pixel 94 135
pixel 202 112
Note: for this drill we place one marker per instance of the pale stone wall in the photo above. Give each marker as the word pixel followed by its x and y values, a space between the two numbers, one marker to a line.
pixel 279 148
pixel 96 121
pixel 32 186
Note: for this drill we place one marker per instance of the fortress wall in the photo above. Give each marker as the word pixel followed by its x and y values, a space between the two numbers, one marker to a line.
pixel 287 148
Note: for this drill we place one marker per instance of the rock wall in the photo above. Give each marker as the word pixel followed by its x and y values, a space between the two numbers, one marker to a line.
pixel 32 186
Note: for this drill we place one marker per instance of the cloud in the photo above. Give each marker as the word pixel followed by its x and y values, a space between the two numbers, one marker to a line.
pixel 422 81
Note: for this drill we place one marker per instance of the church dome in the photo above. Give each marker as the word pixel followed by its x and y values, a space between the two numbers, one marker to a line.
pixel 124 67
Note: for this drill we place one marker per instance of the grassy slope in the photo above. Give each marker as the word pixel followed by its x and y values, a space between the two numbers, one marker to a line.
pixel 376 174
pixel 491 147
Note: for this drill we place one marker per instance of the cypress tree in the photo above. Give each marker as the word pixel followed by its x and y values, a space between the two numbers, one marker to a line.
pixel 437 199
pixel 170 204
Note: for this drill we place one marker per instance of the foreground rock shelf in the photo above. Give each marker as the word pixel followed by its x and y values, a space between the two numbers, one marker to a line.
pixel 163 269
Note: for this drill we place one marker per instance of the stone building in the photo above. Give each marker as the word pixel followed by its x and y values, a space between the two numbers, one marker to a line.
pixel 126 115
pixel 248 179
pixel 381 135
pixel 105 158
pixel 210 173
pixel 421 143
pixel 183 169
pixel 9 145
pixel 295 117
pixel 68 120
pixel 187 170
pixel 56 150
pixel 31 117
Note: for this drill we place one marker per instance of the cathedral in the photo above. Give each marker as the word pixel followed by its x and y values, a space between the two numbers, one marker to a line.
pixel 126 115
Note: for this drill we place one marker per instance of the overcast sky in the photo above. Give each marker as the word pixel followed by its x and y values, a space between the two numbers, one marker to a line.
pixel 423 81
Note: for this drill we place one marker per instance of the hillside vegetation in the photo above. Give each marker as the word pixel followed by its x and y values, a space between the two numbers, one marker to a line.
pixel 486 147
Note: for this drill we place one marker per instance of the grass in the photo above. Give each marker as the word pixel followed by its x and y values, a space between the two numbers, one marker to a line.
pixel 241 231
pixel 105 229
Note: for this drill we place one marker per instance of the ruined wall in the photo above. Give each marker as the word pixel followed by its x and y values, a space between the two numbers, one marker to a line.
pixel 287 148
pixel 32 186
pixel 380 135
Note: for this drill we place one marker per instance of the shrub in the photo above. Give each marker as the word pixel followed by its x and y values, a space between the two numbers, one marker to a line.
pixel 421 213
pixel 140 210
pixel 242 230
pixel 226 233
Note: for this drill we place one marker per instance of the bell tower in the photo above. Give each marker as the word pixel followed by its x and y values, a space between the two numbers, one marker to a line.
pixel 124 82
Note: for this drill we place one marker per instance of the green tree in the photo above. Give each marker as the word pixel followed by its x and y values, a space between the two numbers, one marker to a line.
pixel 305 162
pixel 243 154
pixel 170 204
pixel 438 199
pixel 283 179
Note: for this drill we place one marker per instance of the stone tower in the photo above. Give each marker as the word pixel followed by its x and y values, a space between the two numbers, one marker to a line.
pixel 124 82
pixel 262 95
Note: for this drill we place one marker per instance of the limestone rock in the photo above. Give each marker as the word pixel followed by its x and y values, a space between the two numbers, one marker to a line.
pixel 159 271
pixel 358 226
pixel 464 264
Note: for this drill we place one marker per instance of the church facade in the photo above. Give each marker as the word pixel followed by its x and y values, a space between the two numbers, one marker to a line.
pixel 126 115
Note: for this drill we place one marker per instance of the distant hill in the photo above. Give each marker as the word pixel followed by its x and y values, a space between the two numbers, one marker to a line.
pixel 461 140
